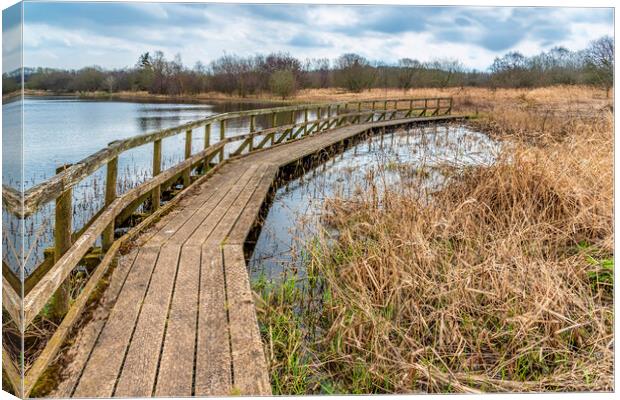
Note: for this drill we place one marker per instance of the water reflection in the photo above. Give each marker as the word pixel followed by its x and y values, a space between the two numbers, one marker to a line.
pixel 417 156
pixel 64 130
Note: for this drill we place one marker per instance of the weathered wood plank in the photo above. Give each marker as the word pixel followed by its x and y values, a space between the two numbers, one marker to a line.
pixel 138 373
pixel 250 371
pixel 177 361
pixel 213 359
pixel 198 233
pixel 60 334
pixel 88 335
pixel 110 195
pixel 103 367
pixel 38 296
pixel 242 226
pixel 12 302
pixel 12 372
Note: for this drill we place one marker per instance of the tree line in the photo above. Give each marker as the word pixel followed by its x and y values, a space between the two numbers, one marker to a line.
pixel 282 74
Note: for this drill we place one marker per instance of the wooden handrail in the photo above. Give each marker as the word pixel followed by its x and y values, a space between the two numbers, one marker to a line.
pixel 41 292
pixel 103 223
pixel 48 190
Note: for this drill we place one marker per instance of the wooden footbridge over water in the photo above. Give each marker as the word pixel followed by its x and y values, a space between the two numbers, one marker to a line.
pixel 177 316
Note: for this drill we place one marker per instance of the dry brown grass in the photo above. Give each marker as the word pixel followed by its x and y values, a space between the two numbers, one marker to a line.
pixel 466 99
pixel 502 282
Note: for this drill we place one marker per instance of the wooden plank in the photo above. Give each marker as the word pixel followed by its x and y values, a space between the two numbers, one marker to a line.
pixel 39 295
pixel 242 226
pixel 193 212
pixel 156 193
pixel 12 302
pixel 88 334
pixel 67 386
pixel 63 226
pixel 234 209
pixel 12 371
pixel 139 370
pixel 195 234
pixel 250 373
pixel 176 368
pixel 13 280
pixel 60 334
pixel 213 359
pixel 104 364
pixel 12 200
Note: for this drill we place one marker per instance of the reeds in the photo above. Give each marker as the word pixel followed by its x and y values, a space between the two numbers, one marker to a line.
pixel 501 280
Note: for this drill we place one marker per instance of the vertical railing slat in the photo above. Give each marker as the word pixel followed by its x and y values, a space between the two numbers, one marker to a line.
pixel 188 154
pixel 63 225
pixel 110 195
pixel 156 193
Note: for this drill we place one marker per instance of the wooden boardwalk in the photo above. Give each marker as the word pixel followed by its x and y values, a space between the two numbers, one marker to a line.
pixel 183 322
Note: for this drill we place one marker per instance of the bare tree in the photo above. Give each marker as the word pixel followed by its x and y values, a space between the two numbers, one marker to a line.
pixel 600 62
pixel 407 69
pixel 354 72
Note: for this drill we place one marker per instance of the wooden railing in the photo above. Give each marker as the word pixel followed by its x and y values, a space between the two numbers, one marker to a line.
pixel 70 248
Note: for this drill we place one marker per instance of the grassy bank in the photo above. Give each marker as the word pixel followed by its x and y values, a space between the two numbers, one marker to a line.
pixel 500 281
pixel 466 99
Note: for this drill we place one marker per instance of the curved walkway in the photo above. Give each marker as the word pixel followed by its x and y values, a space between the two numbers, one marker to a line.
pixel 179 315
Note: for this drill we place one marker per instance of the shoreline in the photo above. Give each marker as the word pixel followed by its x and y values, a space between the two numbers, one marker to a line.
pixel 464 96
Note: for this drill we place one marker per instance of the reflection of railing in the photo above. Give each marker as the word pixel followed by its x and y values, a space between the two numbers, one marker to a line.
pixel 70 248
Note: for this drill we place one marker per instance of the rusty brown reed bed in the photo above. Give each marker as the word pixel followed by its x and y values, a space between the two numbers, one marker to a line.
pixel 499 281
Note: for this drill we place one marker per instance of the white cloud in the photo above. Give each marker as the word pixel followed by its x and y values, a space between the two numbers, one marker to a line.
pixel 203 33
pixel 11 48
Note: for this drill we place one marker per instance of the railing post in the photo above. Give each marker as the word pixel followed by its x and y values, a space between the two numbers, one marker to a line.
pixel 156 193
pixel 188 154
pixel 449 107
pixel 385 105
pixel 110 195
pixel 359 106
pixel 207 135
pixel 274 120
pixel 305 122
pixel 373 105
pixel 425 107
pixel 252 130
pixel 222 138
pixel 63 225
pixel 292 123
pixel 222 130
pixel 207 143
pixel 329 111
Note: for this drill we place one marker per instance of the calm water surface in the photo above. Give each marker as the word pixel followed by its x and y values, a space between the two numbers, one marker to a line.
pixel 64 130
pixel 416 156
pixel 60 130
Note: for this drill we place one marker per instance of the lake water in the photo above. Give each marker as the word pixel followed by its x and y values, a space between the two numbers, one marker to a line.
pixel 62 130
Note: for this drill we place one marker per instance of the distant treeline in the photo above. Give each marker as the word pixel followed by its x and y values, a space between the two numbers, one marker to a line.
pixel 282 74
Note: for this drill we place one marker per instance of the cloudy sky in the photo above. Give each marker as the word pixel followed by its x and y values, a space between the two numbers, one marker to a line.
pixel 112 35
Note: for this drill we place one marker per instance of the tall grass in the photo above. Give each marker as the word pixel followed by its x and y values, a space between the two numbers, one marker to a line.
pixel 502 280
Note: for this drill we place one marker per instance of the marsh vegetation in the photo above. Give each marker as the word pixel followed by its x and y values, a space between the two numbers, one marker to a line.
pixel 499 279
